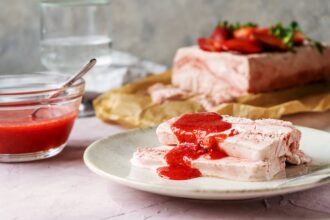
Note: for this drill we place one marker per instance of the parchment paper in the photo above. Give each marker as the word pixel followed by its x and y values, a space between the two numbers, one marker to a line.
pixel 131 106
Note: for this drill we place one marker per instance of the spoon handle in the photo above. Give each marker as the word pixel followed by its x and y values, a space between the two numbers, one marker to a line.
pixel 68 83
pixel 81 73
pixel 75 77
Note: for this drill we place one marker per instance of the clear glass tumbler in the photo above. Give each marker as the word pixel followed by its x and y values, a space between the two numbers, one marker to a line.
pixel 73 32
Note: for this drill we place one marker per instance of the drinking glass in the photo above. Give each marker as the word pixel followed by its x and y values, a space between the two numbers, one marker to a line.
pixel 73 32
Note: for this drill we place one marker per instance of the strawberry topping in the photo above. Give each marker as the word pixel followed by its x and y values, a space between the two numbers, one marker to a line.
pixel 249 38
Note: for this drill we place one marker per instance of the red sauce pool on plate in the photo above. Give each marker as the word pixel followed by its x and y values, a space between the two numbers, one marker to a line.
pixel 198 135
pixel 19 133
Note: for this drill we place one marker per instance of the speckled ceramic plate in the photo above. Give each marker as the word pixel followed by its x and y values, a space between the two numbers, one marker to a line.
pixel 110 158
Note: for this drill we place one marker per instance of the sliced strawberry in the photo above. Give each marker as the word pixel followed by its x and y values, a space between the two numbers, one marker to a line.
pixel 270 41
pixel 208 44
pixel 244 33
pixel 242 46
pixel 220 34
pixel 262 30
pixel 298 38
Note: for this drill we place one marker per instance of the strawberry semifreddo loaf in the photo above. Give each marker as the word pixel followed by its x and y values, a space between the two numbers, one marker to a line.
pixel 241 59
pixel 228 75
pixel 208 144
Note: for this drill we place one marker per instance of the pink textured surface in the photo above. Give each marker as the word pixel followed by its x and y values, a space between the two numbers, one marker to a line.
pixel 63 188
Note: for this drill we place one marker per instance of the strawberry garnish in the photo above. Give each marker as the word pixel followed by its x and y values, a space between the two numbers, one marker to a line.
pixel 249 38
pixel 270 41
pixel 244 33
pixel 298 38
pixel 210 45
pixel 220 34
pixel 214 42
pixel 262 30
pixel 242 46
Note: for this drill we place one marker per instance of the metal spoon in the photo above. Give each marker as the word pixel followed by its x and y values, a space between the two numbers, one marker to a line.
pixel 69 82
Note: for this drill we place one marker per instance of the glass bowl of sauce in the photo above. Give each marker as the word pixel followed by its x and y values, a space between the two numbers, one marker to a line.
pixel 34 122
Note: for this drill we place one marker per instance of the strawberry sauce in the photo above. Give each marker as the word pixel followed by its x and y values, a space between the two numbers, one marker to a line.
pixel 19 133
pixel 198 135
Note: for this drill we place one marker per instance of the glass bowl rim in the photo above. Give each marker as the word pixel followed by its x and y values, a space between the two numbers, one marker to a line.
pixel 77 84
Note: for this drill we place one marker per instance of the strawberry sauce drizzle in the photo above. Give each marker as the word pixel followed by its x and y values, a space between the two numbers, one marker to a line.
pixel 198 134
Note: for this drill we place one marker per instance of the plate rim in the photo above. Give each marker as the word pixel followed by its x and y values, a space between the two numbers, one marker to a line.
pixel 199 193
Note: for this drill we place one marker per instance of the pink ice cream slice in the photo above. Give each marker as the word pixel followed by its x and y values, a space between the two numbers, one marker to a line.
pixel 264 139
pixel 228 168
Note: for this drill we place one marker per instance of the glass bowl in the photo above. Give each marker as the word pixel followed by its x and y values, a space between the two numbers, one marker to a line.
pixel 36 117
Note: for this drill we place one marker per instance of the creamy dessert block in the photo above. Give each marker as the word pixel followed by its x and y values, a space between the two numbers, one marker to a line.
pixel 226 75
pixel 228 167
pixel 262 139
pixel 209 144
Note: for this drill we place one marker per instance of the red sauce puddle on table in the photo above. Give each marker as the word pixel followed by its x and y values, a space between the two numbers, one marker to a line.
pixel 22 134
pixel 192 132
